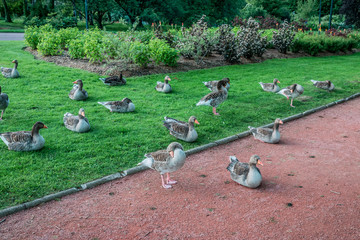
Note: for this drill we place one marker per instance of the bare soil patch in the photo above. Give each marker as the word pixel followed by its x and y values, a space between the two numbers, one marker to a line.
pixel 114 67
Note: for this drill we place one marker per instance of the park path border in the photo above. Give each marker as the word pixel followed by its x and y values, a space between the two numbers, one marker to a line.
pixel 118 175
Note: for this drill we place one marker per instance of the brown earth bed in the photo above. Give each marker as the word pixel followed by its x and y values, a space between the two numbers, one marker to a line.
pixel 310 190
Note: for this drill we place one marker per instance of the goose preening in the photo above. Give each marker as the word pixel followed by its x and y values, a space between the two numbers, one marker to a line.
pixel 125 105
pixel 212 85
pixel 215 98
pixel 24 140
pixel 246 174
pixel 77 123
pixel 166 161
pixel 326 85
pixel 164 86
pixel 114 80
pixel 270 87
pixel 4 103
pixel 11 72
pixel 77 92
pixel 292 91
pixel 267 135
pixel 182 130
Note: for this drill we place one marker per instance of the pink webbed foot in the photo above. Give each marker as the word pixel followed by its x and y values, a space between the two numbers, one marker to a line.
pixel 166 186
pixel 170 181
pixel 214 111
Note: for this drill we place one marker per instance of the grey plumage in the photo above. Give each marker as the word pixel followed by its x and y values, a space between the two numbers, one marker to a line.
pixel 246 174
pixel 164 86
pixel 212 85
pixel 76 123
pixel 326 85
pixel 114 80
pixel 292 91
pixel 267 135
pixel 77 92
pixel 11 72
pixel 125 105
pixel 215 98
pixel 4 102
pixel 271 87
pixel 182 130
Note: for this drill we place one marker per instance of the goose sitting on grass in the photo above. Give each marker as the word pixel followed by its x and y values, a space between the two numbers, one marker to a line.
pixel 77 123
pixel 270 87
pixel 11 72
pixel 246 174
pixel 292 91
pixel 25 140
pixel 114 80
pixel 182 130
pixel 267 135
pixel 4 103
pixel 164 87
pixel 212 85
pixel 214 99
pixel 326 85
pixel 125 105
pixel 166 161
pixel 77 92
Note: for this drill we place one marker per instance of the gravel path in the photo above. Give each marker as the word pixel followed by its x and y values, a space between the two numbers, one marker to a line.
pixel 11 36
pixel 310 190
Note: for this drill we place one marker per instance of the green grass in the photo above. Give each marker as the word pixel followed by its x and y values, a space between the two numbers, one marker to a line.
pixel 16 26
pixel 119 141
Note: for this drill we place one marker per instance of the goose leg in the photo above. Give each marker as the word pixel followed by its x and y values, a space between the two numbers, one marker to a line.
pixel 169 181
pixel 2 112
pixel 163 183
pixel 291 103
pixel 214 111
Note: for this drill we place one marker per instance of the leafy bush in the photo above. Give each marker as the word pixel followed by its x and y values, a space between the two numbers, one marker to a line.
pixel 283 38
pixel 250 41
pixel 66 35
pixel 50 44
pixel 160 51
pixel 93 45
pixel 140 54
pixel 267 22
pixel 76 48
pixel 227 45
pixel 32 37
pixel 111 45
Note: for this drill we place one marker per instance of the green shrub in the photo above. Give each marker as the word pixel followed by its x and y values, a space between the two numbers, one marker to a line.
pixel 76 48
pixel 283 38
pixel 160 51
pixel 140 54
pixel 32 37
pixel 67 34
pixel 50 44
pixel 227 45
pixel 93 45
pixel 111 45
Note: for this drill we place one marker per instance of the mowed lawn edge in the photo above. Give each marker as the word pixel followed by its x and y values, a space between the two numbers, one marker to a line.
pixel 119 141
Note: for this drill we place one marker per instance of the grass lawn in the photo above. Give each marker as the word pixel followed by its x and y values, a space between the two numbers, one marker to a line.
pixel 118 141
pixel 16 26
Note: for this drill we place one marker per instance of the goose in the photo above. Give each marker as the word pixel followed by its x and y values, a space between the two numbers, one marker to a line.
pixel 164 86
pixel 114 80
pixel 4 102
pixel 25 140
pixel 77 123
pixel 246 174
pixel 182 130
pixel 270 87
pixel 77 92
pixel 212 85
pixel 125 105
pixel 267 135
pixel 326 85
pixel 215 98
pixel 11 72
pixel 166 161
pixel 292 91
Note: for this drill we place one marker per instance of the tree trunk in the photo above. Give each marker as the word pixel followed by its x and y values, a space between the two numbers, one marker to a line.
pixel 26 11
pixel 7 12
pixel 52 5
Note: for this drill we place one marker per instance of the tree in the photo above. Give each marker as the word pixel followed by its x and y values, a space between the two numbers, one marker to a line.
pixel 351 9
pixel 307 9
pixel 277 8
pixel 7 12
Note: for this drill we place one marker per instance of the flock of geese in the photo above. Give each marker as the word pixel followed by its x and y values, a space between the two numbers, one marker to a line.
pixel 172 158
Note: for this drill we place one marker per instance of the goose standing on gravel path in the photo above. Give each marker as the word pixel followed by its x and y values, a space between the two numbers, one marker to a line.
pixel 326 85
pixel 25 140
pixel 292 91
pixel 4 103
pixel 11 72
pixel 182 130
pixel 267 135
pixel 77 123
pixel 214 99
pixel 270 87
pixel 125 105
pixel 164 86
pixel 212 85
pixel 77 92
pixel 166 161
pixel 246 174
pixel 114 80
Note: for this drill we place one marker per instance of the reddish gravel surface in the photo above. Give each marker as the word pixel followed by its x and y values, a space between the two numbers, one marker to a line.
pixel 310 190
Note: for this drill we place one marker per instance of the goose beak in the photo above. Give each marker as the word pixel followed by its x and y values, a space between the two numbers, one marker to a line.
pixel 171 153
pixel 75 82
pixel 197 122
pixel 83 114
pixel 259 162
pixel 45 126
pixel 13 61
pixel 291 91
pixel 281 122
pixel 278 81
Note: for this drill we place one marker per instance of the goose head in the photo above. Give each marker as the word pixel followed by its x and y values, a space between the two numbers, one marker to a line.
pixel 126 100
pixel 37 126
pixel 293 88
pixel 255 159
pixel 278 121
pixel 167 78
pixel 15 61
pixel 193 119
pixel 276 81
pixel 227 80
pixel 172 147
pixel 221 85
pixel 81 113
